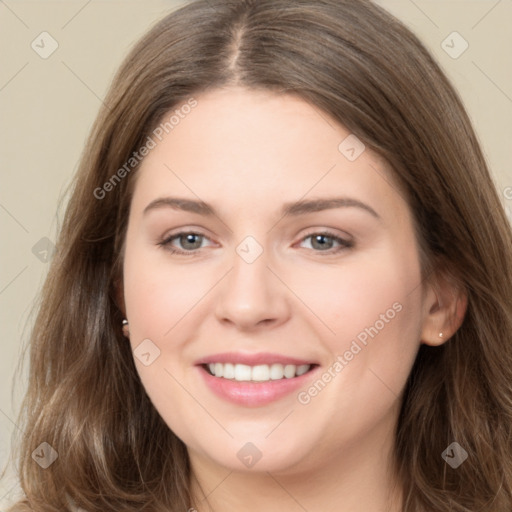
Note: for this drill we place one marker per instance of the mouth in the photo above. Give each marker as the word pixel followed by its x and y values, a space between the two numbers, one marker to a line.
pixel 254 380
pixel 257 373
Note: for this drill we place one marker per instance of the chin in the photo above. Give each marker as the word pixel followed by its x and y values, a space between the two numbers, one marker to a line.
pixel 257 456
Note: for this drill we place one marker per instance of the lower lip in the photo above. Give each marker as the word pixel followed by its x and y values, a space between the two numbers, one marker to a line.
pixel 254 394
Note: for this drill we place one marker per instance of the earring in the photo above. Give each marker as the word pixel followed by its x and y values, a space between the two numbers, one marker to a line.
pixel 126 332
pixel 440 334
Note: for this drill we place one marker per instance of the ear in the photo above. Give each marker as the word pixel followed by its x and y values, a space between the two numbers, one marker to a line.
pixel 445 305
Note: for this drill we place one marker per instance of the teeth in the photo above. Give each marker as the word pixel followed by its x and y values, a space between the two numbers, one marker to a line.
pixel 242 372
pixel 229 371
pixel 258 373
pixel 289 371
pixel 276 371
pixel 261 372
pixel 301 370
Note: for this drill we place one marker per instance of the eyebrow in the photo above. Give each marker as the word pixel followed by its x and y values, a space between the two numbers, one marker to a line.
pixel 294 208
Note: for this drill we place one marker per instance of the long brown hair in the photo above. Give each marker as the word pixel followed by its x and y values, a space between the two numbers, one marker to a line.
pixel 357 63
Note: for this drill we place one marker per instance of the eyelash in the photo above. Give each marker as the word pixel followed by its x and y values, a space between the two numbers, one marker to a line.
pixel 345 244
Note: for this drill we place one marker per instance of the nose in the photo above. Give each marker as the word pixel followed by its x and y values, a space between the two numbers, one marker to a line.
pixel 251 295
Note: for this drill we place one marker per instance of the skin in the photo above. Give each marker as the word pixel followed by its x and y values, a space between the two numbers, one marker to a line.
pixel 246 153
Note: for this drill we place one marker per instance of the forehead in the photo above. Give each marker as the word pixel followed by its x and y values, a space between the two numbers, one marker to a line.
pixel 255 147
pixel 237 123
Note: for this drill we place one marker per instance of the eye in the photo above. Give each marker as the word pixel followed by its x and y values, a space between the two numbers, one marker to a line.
pixel 189 240
pixel 324 241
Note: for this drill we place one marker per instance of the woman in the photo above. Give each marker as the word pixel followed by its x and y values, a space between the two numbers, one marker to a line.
pixel 262 368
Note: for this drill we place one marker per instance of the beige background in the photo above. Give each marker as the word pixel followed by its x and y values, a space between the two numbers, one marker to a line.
pixel 48 106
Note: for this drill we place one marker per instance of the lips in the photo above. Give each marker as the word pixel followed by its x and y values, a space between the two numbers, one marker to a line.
pixel 261 358
pixel 254 380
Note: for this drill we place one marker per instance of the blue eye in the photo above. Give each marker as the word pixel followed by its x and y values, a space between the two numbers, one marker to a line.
pixel 186 238
pixel 190 242
pixel 319 240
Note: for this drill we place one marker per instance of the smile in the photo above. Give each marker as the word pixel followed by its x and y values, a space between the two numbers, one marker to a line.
pixel 257 385
pixel 257 373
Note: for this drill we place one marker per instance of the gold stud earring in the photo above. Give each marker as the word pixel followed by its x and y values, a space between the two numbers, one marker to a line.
pixel 126 331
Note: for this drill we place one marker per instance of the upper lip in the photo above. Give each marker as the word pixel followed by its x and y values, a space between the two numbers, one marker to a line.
pixel 252 359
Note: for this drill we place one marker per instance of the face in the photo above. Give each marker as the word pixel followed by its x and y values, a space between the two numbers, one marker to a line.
pixel 308 313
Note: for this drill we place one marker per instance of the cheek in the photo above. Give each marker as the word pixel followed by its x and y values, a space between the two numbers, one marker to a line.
pixel 361 291
pixel 377 319
pixel 157 293
pixel 375 312
pixel 158 297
